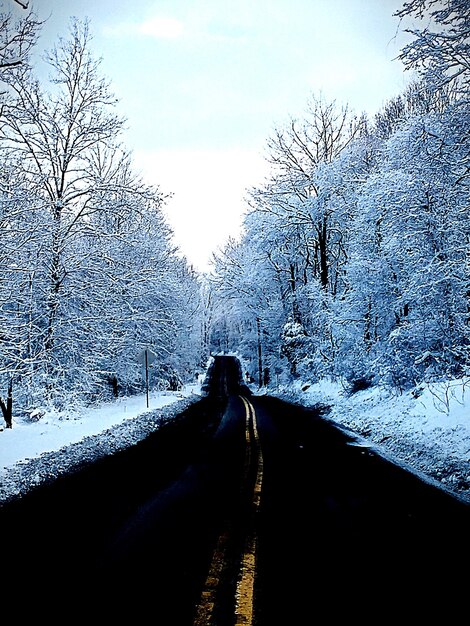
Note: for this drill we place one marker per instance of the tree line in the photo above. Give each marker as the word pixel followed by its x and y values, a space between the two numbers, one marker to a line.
pixel 354 261
pixel 89 275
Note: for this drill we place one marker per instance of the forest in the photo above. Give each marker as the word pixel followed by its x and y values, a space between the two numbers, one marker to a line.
pixel 353 263
pixel 89 276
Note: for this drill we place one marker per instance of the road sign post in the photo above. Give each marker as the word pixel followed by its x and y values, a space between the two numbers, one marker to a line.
pixel 146 358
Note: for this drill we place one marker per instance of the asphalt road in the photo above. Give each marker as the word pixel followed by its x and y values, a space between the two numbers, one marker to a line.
pixel 243 510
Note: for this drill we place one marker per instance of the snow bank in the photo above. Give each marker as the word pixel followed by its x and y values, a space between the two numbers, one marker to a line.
pixel 32 453
pixel 427 429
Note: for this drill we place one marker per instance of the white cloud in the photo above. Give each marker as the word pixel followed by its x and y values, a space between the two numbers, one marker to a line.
pixel 156 27
pixel 162 28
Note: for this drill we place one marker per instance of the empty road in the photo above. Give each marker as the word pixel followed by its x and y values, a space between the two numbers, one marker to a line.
pixel 243 510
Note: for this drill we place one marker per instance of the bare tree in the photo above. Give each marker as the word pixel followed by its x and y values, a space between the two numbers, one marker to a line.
pixel 53 137
pixel 298 153
pixel 18 35
pixel 441 47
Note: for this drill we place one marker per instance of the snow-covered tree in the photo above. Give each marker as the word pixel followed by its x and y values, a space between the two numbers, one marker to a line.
pixel 390 301
pixel 441 47
pixel 91 277
pixel 19 29
pixel 53 134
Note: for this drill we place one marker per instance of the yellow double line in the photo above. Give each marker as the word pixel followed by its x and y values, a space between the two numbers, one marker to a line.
pixel 246 576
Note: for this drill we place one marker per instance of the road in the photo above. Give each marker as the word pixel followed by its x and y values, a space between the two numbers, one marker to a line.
pixel 243 510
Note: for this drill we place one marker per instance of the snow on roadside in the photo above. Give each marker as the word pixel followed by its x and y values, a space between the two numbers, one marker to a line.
pixel 426 430
pixel 35 452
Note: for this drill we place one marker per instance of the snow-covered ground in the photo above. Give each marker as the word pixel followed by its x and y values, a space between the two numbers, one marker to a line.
pixel 427 431
pixel 35 451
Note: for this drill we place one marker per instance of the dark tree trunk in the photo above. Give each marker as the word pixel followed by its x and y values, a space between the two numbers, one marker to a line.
pixel 367 325
pixel 322 247
pixel 7 409
pixel 295 304
pixel 56 278
pixel 260 355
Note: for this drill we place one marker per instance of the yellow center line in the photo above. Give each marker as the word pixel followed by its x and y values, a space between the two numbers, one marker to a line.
pixel 245 586
pixel 247 420
pixel 206 605
pixel 246 579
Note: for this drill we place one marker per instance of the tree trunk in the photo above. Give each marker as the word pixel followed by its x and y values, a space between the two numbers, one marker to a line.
pixel 55 283
pixel 295 304
pixel 322 246
pixel 7 409
pixel 367 328
pixel 114 383
pixel 260 355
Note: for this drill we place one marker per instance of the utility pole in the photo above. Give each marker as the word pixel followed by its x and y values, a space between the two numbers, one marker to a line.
pixel 147 375
pixel 260 357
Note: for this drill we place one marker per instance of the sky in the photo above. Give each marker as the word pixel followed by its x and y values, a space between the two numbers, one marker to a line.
pixel 203 84
pixel 429 434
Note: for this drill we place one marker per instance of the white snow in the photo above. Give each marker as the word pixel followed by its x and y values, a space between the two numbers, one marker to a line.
pixel 426 430
pixel 54 430
pixel 34 451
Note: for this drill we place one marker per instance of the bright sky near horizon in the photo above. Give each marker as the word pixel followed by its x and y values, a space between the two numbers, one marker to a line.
pixel 203 83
